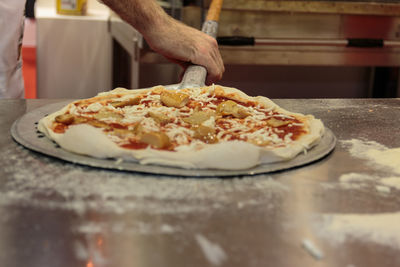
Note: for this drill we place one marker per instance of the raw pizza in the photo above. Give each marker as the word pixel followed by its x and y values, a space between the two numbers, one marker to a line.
pixel 207 127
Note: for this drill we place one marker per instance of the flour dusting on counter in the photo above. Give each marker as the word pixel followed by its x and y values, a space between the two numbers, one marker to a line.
pixel 383 189
pixel 126 228
pixel 381 228
pixel 212 251
pixel 362 180
pixel 389 158
pixel 358 148
pixel 384 159
pixel 312 249
pixel 393 182
pixel 376 153
pixel 382 184
pixel 355 178
pixel 68 186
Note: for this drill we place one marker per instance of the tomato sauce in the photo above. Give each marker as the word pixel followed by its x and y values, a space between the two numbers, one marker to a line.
pixel 226 125
pixel 220 99
pixel 146 103
pixel 296 131
pixel 118 126
pixel 135 145
pixel 59 128
pixel 193 104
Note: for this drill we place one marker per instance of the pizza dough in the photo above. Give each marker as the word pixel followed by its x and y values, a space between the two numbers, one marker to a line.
pixel 246 131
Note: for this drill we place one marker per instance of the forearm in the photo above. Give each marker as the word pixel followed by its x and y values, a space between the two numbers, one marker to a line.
pixel 144 15
pixel 169 37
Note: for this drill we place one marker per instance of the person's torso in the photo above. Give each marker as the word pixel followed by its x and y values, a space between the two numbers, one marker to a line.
pixel 11 30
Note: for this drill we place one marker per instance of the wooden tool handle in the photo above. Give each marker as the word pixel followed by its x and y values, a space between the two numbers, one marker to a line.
pixel 214 10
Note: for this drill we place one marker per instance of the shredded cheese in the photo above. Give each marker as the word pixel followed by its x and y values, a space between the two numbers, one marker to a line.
pixel 252 128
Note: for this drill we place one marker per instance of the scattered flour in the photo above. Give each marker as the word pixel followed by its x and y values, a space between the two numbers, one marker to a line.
pixel 389 158
pixel 131 227
pixel 393 182
pixel 80 250
pixel 360 180
pixel 382 229
pixel 58 185
pixel 312 249
pixel 358 148
pixel 355 178
pixel 213 252
pixel 376 153
pixel 383 189
pixel 385 159
pixel 91 252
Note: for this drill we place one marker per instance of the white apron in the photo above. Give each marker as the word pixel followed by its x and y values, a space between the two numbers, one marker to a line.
pixel 11 30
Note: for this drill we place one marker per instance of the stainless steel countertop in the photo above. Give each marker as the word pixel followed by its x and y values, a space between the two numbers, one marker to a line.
pixel 334 212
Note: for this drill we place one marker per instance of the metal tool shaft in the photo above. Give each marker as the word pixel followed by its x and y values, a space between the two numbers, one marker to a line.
pixel 195 75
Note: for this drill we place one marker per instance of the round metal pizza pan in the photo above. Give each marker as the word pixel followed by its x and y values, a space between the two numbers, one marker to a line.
pixel 24 131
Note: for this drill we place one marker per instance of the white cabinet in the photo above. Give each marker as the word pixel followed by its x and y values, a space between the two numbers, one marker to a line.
pixel 74 53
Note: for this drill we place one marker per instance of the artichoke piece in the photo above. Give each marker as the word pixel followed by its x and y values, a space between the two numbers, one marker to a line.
pixel 66 119
pixel 230 107
pixel 155 139
pixel 106 114
pixel 159 117
pixel 78 120
pixel 123 132
pixel 137 129
pixel 226 108
pixel 241 113
pixel 205 134
pixel 259 142
pixel 198 117
pixel 124 103
pixel 277 123
pixel 99 124
pixel 174 99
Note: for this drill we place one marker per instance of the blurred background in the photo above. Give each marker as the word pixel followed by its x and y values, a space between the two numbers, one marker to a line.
pixel 298 49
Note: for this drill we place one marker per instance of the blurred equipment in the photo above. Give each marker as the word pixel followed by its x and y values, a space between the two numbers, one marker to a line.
pixel 361 34
pixel 72 7
pixel 73 52
pixel 30 9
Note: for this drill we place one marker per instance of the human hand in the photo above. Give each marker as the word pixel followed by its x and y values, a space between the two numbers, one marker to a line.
pixel 185 46
pixel 174 40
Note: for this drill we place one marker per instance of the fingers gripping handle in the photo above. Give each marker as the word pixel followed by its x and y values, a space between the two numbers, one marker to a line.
pixel 196 75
